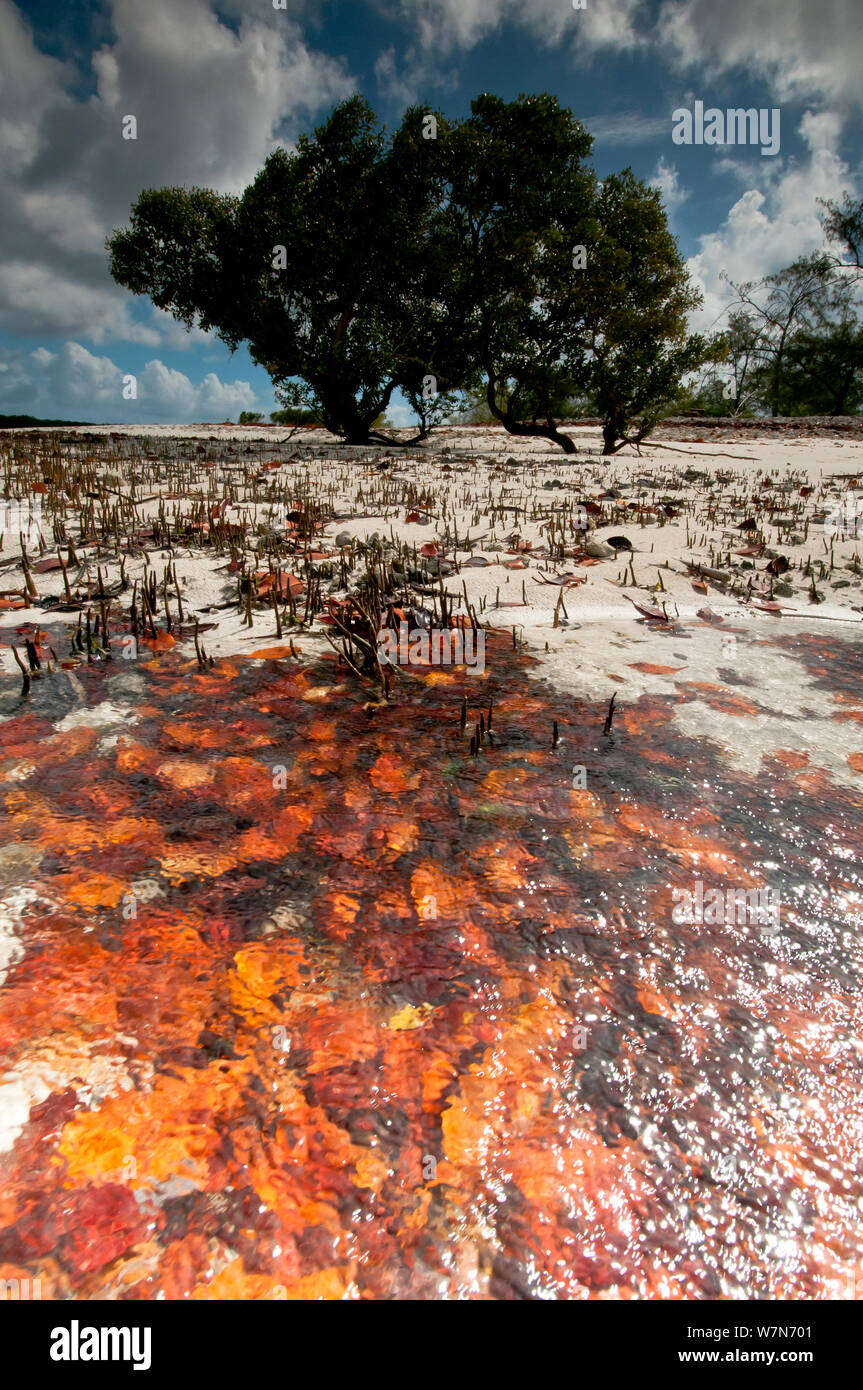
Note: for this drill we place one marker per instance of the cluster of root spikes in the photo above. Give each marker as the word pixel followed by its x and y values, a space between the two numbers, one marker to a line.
pixel 381 599
pixel 109 502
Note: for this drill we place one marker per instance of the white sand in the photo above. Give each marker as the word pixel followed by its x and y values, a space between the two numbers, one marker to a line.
pixel 591 651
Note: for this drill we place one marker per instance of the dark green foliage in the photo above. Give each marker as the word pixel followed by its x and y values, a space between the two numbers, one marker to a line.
pixel 518 195
pixel 23 422
pixel 365 262
pixel 293 417
pixel 634 345
pixel 342 322
pixel 795 341
pixel 843 225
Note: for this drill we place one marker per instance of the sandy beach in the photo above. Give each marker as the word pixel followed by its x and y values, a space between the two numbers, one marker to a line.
pixel 488 503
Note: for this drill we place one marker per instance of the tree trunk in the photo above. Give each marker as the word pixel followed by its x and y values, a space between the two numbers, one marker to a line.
pixel 341 416
pixel 356 434
pixel 843 388
pixel 613 427
pixel 536 431
pixel 518 427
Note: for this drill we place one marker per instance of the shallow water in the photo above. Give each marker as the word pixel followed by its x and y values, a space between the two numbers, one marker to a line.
pixel 302 1000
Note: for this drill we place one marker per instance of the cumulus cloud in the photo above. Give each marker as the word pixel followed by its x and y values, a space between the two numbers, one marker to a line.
pixel 667 179
pixel 210 99
pixel 75 383
pixel 768 228
pixel 33 85
pixel 210 103
pixel 801 47
pixel 39 299
pixel 172 396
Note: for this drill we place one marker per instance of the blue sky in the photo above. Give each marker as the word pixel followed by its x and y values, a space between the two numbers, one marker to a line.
pixel 215 87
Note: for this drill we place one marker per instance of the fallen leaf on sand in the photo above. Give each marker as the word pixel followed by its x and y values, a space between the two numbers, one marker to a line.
pixel 272 653
pixel 651 669
pixel 708 616
pixel 650 611
pixel 162 642
pixel 284 585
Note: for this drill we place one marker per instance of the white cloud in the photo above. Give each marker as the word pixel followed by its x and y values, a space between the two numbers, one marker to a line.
pixel 821 130
pixel 211 102
pixel 64 218
pixel 75 383
pixel 611 25
pixel 401 416
pixel 173 397
pixel 448 25
pixel 626 127
pixel 72 381
pixel 39 299
pixel 32 85
pixel 768 228
pixel 176 336
pixel 401 86
pixel 667 180
pixel 802 48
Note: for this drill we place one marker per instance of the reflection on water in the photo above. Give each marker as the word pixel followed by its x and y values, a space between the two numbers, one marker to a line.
pixel 302 1000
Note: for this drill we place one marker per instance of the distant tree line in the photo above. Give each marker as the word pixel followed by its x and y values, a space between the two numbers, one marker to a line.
pixel 26 422
pixel 792 343
pixel 446 260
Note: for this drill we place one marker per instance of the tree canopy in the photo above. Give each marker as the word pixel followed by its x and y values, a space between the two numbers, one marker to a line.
pixel 792 345
pixel 843 226
pixel 478 254
pixel 637 349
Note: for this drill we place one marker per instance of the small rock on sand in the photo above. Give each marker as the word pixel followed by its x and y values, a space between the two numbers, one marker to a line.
pixel 598 550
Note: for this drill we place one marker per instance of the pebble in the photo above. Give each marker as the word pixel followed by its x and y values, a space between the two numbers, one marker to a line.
pixel 598 550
